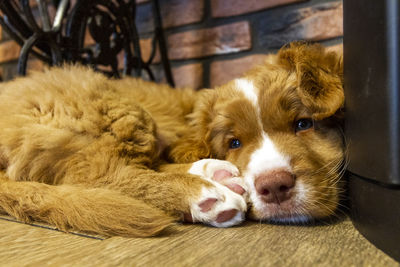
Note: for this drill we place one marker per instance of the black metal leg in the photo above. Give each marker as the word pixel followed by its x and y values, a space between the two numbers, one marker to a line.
pixel 159 35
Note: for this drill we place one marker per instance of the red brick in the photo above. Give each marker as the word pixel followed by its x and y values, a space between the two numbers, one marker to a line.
pixel 188 76
pixel 181 12
pixel 324 24
pixel 173 13
pixel 223 71
pixel 226 8
pixel 317 22
pixel 9 50
pixel 219 40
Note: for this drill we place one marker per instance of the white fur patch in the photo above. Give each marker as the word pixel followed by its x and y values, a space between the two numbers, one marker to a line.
pixel 248 89
pixel 206 167
pixel 301 192
pixel 266 158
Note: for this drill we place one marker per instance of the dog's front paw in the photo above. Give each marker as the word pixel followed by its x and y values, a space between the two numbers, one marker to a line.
pixel 221 171
pixel 218 206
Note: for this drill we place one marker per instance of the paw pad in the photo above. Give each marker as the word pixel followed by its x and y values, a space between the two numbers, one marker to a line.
pixel 226 215
pixel 207 204
pixel 218 206
pixel 220 175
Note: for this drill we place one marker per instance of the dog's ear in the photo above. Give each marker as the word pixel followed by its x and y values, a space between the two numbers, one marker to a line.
pixel 319 75
pixel 195 143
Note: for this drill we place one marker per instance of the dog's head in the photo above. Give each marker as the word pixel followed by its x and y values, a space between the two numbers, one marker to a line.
pixel 280 125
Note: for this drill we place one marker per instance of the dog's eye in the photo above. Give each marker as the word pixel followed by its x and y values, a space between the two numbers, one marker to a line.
pixel 303 124
pixel 235 143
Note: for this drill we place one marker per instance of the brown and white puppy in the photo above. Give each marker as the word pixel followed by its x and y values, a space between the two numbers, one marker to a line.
pixel 128 157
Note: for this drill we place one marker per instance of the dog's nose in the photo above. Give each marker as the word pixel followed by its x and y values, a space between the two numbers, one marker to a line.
pixel 275 186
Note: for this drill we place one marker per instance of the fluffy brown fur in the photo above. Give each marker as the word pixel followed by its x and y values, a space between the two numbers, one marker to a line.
pixel 81 151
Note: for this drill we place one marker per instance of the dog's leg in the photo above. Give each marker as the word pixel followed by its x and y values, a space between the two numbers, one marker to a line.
pixel 177 191
pixel 98 210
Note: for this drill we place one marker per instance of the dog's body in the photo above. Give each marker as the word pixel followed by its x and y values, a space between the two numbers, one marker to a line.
pixel 128 157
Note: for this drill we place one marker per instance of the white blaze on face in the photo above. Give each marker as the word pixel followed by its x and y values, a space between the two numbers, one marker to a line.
pixel 247 88
pixel 265 158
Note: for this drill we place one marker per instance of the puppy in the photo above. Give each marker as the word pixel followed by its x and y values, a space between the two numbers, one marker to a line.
pixel 129 157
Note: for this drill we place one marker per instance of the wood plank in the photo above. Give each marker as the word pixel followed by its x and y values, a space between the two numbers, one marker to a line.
pixel 251 244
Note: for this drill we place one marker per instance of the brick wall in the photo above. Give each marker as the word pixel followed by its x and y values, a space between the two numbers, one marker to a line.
pixel 213 41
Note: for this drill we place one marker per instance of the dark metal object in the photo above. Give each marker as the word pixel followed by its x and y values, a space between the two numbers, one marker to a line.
pixel 110 23
pixel 372 87
pixel 375 212
pixel 159 33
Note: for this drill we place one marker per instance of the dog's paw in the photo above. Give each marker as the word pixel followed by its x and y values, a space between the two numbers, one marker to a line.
pixel 218 206
pixel 221 171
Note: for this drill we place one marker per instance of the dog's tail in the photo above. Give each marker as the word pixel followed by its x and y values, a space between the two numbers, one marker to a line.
pixel 100 211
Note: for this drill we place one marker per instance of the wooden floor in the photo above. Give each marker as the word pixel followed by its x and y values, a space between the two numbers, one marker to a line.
pixel 251 244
